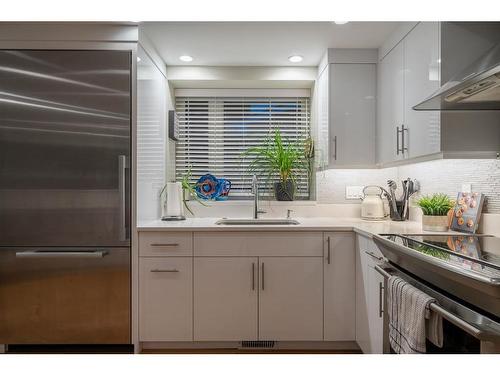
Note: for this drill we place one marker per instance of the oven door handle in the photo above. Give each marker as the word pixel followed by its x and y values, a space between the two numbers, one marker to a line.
pixel 486 335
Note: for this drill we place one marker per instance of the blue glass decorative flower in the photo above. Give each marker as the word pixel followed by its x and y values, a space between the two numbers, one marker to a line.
pixel 210 187
pixel 206 187
pixel 223 189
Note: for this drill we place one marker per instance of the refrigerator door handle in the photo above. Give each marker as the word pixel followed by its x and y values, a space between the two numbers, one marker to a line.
pixel 122 181
pixel 60 254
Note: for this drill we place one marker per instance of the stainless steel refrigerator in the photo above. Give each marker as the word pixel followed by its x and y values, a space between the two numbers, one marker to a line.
pixel 65 147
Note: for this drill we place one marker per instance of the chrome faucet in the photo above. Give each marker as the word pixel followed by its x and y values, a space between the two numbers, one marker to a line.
pixel 255 192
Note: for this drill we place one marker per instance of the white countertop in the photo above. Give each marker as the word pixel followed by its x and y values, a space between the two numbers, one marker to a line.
pixel 367 228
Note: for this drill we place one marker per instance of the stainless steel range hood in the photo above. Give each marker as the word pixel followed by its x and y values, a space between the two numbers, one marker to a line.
pixel 475 88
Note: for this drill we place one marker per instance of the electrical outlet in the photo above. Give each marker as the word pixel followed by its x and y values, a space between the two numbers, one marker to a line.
pixel 466 188
pixel 354 192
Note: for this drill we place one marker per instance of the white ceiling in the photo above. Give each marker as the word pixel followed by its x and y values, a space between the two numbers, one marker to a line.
pixel 260 43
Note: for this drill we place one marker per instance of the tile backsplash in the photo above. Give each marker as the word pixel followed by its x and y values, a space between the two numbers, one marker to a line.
pixel 437 176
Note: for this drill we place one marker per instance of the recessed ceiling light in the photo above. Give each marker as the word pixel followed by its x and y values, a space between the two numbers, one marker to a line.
pixel 340 22
pixel 186 58
pixel 138 59
pixel 295 58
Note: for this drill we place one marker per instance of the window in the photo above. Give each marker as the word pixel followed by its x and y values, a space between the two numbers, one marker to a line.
pixel 214 132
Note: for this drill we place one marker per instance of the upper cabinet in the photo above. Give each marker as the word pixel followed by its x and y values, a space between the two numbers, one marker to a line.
pixel 411 68
pixel 346 108
pixel 407 74
pixel 390 114
pixel 421 79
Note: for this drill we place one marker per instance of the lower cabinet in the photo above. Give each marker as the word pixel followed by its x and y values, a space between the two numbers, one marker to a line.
pixel 369 297
pixel 375 310
pixel 232 295
pixel 267 298
pixel 225 298
pixel 291 298
pixel 165 299
pixel 339 286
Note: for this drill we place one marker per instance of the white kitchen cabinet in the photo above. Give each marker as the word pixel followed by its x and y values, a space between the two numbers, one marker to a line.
pixel 291 298
pixel 421 79
pixel 408 74
pixel 346 108
pixel 165 299
pixel 322 136
pixel 352 101
pixel 164 244
pixel 369 320
pixel 339 286
pixel 412 69
pixel 225 298
pixel 390 105
pixel 375 309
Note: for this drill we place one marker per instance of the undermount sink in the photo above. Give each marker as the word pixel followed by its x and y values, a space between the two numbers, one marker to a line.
pixel 257 222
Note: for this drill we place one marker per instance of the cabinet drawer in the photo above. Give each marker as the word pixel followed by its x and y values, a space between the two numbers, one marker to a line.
pixel 258 244
pixel 166 299
pixel 164 244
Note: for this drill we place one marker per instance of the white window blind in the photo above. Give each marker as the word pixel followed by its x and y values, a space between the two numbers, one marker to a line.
pixel 214 132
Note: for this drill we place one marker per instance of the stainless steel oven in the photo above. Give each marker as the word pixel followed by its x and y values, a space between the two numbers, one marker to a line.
pixel 465 330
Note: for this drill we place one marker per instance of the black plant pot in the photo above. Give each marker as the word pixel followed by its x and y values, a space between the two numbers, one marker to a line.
pixel 284 191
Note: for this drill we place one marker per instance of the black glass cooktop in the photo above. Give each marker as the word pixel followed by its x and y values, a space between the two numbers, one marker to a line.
pixel 476 253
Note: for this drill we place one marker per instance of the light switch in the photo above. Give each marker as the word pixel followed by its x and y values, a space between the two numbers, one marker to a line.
pixel 354 192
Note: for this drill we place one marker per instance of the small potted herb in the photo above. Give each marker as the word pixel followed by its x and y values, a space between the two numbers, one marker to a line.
pixel 282 160
pixel 435 209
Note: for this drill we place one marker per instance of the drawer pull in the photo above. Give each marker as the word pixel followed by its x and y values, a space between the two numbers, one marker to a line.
pixel 160 270
pixel 164 244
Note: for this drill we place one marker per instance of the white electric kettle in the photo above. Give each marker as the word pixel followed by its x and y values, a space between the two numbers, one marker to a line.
pixel 373 206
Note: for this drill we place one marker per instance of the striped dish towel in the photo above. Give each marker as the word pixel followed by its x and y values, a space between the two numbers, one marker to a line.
pixel 408 310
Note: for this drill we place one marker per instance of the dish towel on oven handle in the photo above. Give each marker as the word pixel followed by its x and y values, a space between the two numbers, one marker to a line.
pixel 409 311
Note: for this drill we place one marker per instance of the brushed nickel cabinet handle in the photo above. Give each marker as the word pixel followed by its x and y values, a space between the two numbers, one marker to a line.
pixel 328 259
pixel 164 244
pixel 404 148
pixel 380 309
pixel 253 276
pixel 397 140
pixel 262 276
pixel 163 270
pixel 335 144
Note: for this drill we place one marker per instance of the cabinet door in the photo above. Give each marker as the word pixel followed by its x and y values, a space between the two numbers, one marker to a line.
pixel 339 287
pixel 390 105
pixel 362 294
pixel 375 313
pixel 165 299
pixel 352 114
pixel 291 298
pixel 322 136
pixel 421 79
pixel 225 298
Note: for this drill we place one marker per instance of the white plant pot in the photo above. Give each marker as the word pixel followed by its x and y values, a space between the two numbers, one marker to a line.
pixel 435 223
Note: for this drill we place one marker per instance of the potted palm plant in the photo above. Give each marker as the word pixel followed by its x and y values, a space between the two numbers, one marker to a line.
pixel 435 209
pixel 282 160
